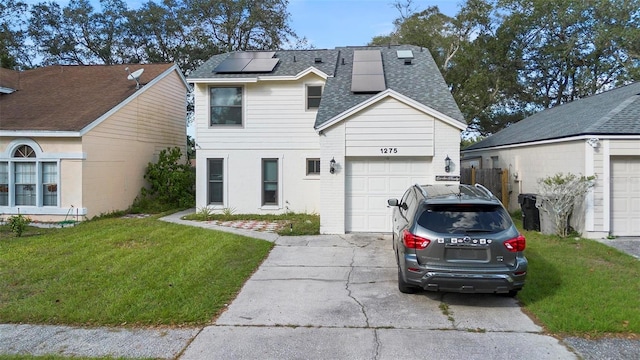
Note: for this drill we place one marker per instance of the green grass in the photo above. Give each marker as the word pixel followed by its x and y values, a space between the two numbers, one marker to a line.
pixel 116 271
pixel 293 224
pixel 581 287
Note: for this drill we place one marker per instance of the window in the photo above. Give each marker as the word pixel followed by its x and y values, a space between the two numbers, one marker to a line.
pixel 4 184
pixel 313 166
pixel 49 184
pixel 216 182
pixel 269 181
pixel 25 181
pixel 226 105
pixel 314 94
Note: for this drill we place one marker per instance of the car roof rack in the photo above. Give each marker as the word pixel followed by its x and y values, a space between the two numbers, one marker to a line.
pixel 423 191
pixel 485 190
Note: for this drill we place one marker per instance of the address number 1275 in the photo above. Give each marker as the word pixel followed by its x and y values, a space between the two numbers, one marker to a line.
pixel 389 150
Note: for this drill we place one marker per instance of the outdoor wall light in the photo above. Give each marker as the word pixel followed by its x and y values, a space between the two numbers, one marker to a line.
pixel 447 164
pixel 332 165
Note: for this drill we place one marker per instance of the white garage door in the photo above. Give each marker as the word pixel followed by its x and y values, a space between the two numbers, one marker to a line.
pixel 625 196
pixel 370 182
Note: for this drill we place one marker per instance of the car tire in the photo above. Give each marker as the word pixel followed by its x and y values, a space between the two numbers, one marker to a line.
pixel 403 286
pixel 511 293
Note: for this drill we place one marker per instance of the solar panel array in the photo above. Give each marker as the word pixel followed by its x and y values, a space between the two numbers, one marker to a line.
pixel 248 62
pixel 367 75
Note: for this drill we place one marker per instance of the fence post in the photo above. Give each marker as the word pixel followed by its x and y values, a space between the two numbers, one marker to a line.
pixel 473 176
pixel 505 188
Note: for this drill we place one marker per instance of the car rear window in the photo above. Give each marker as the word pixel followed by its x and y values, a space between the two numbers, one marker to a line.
pixel 464 218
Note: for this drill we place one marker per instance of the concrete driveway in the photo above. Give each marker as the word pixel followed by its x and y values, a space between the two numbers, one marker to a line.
pixel 336 297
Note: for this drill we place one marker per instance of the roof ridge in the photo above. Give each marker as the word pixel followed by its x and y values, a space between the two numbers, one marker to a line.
pixel 615 111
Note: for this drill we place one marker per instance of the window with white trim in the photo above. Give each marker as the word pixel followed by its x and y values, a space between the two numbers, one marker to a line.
pixel 269 181
pixel 313 166
pixel 27 181
pixel 216 181
pixel 225 105
pixel 314 95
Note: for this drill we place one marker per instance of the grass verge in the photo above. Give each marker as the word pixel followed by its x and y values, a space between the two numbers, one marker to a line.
pixel 117 271
pixel 581 287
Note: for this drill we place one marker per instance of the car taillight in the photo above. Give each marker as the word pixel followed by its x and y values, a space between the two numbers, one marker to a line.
pixel 516 244
pixel 414 242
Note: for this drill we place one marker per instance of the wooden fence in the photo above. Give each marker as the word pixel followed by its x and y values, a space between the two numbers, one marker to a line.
pixel 496 180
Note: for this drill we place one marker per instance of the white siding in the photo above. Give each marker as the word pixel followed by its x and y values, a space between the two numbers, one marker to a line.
pixel 274 117
pixel 381 130
pixel 277 125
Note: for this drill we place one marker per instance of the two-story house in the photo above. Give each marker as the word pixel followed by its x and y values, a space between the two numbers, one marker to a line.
pixel 75 141
pixel 335 132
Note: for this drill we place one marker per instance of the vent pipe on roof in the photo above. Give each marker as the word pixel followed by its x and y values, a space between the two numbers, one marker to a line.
pixel 317 60
pixel 342 61
pixel 294 58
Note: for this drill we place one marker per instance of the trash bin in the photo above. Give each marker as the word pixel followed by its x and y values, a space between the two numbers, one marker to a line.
pixel 530 213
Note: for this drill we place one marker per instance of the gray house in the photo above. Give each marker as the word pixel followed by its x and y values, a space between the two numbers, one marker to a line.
pixel 597 135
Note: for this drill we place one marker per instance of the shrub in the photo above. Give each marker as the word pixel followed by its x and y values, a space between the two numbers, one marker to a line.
pixel 171 182
pixel 18 223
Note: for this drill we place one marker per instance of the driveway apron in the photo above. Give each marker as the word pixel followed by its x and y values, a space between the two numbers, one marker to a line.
pixel 336 297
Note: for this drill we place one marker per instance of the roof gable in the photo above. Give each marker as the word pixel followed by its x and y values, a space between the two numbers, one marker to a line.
pixel 69 98
pixel 613 112
pixel 418 78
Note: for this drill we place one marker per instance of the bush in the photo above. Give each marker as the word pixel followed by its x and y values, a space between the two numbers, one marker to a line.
pixel 18 223
pixel 171 183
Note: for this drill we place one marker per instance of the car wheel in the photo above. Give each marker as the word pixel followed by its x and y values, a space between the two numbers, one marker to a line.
pixel 511 293
pixel 403 286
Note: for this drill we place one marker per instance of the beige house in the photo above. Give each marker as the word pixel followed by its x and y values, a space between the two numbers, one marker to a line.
pixel 598 135
pixel 75 141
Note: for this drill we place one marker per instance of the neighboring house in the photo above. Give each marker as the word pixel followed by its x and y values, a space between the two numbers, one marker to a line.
pixel 598 135
pixel 75 141
pixel 334 132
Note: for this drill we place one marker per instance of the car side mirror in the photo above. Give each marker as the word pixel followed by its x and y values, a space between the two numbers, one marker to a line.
pixel 392 202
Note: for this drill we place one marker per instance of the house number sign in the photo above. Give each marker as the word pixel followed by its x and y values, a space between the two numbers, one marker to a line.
pixel 388 150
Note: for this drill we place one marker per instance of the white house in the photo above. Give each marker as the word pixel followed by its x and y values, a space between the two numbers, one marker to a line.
pixel 598 135
pixel 334 132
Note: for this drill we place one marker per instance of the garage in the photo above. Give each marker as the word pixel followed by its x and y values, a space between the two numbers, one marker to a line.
pixel 369 182
pixel 625 196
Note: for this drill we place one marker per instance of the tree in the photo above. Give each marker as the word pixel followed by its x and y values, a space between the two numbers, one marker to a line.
pixel 232 25
pixel 505 59
pixel 560 194
pixel 13 34
pixel 76 34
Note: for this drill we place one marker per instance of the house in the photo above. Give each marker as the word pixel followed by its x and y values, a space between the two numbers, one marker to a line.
pixel 597 135
pixel 75 141
pixel 334 132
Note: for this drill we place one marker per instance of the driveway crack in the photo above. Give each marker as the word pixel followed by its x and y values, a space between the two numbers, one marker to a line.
pixel 362 307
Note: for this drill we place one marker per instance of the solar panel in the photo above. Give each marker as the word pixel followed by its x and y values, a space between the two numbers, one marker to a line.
pixel 260 65
pixel 367 74
pixel 248 62
pixel 232 65
pixel 404 54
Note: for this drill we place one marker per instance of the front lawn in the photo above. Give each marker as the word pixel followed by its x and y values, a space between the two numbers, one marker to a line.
pixel 581 287
pixel 119 271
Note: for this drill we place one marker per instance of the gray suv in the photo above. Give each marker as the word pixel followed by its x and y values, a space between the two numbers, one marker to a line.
pixel 456 238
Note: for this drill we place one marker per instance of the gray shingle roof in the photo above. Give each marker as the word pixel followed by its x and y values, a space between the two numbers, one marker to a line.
pixel 613 112
pixel 420 81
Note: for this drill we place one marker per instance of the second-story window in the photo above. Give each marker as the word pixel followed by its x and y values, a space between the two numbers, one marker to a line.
pixel 314 94
pixel 226 105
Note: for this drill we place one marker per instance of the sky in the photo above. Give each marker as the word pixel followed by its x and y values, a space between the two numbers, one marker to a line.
pixel 331 23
